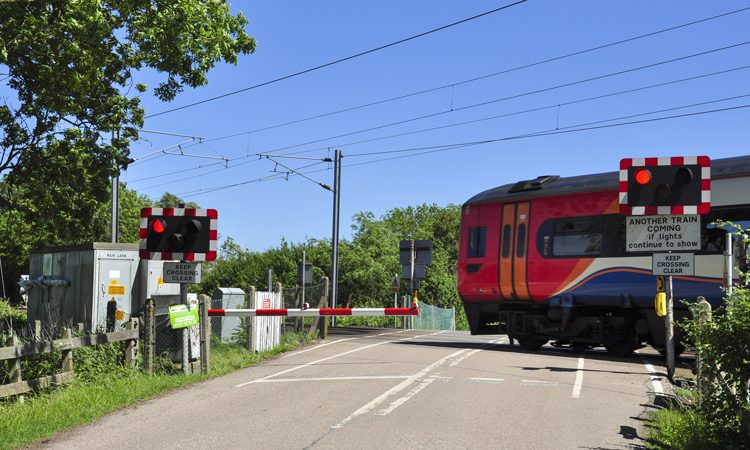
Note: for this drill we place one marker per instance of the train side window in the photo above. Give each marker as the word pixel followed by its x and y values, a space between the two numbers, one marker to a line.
pixel 521 241
pixel 477 241
pixel 580 236
pixel 506 241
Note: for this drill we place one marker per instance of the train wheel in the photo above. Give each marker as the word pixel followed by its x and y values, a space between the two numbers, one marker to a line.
pixel 678 350
pixel 531 343
pixel 579 347
pixel 622 348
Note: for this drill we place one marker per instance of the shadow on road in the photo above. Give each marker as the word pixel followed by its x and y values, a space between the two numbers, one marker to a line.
pixel 647 354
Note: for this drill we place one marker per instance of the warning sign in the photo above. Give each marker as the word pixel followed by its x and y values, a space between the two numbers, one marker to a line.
pixel 673 264
pixel 116 289
pixel 662 233
pixel 188 273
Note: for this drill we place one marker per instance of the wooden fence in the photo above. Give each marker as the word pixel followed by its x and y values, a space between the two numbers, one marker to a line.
pixel 15 351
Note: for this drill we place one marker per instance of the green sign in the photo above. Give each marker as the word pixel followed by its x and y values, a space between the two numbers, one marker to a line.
pixel 180 316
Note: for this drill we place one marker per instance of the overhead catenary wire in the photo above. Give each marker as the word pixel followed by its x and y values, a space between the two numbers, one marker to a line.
pixel 537 109
pixel 340 60
pixel 549 132
pixel 483 77
pixel 512 97
pixel 256 157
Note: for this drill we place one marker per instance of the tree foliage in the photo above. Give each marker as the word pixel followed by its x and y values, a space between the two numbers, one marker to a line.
pixel 367 262
pixel 724 345
pixel 71 66
pixel 169 200
pixel 71 105
pixel 722 340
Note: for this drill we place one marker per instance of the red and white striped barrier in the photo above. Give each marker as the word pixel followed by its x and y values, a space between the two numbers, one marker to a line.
pixel 321 312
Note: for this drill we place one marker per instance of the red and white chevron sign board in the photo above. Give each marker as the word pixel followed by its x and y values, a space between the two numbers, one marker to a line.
pixel 209 255
pixel 321 312
pixel 701 208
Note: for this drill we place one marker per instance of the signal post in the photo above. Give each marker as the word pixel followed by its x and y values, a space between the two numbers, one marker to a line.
pixel 662 199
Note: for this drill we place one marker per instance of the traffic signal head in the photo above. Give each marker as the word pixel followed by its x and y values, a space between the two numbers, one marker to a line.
pixel 678 185
pixel 186 234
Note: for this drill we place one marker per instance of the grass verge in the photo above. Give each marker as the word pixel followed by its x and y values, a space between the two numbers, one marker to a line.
pixel 679 428
pixel 45 414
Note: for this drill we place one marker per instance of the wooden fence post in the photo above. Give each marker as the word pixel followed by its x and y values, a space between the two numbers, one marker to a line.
pixel 67 355
pixel 14 366
pixel 703 316
pixel 148 341
pixel 323 323
pixel 131 345
pixel 250 305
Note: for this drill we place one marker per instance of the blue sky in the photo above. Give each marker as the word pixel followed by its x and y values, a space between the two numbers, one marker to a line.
pixel 294 36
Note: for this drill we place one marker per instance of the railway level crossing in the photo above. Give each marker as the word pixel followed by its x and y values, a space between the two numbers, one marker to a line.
pixel 662 199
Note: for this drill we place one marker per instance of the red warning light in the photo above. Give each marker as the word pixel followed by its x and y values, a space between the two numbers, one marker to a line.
pixel 157 225
pixel 642 176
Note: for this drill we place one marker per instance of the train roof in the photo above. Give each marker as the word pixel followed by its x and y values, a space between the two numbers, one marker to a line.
pixel 550 185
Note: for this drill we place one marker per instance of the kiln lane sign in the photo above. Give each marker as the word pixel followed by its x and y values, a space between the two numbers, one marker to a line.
pixel 662 233
pixel 180 272
pixel 673 264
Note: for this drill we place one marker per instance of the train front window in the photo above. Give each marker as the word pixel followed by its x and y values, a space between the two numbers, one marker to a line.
pixel 577 237
pixel 477 240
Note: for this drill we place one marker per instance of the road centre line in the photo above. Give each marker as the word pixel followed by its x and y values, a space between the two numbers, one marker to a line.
pixel 373 377
pixel 401 386
pixel 292 369
pixel 579 380
pixel 421 384
pixel 398 388
pixel 457 361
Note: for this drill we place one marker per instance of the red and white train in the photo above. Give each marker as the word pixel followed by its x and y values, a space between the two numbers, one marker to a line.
pixel 544 260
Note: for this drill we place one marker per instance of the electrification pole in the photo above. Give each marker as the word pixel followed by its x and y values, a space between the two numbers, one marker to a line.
pixel 115 202
pixel 335 232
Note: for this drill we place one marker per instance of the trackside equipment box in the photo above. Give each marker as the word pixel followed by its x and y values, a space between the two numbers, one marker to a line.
pixel 79 283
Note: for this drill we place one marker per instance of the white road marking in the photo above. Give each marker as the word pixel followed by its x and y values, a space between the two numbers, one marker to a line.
pixel 315 347
pixel 398 388
pixel 487 380
pixel 539 382
pixel 655 379
pixel 458 360
pixel 312 363
pixel 421 384
pixel 459 355
pixel 373 377
pixel 579 380
pixel 441 378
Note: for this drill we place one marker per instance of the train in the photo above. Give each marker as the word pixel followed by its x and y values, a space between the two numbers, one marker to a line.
pixel 544 260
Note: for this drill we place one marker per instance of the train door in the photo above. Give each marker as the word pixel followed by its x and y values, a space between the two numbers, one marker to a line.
pixel 514 245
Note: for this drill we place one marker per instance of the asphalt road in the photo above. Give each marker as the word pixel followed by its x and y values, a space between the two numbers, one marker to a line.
pixel 394 389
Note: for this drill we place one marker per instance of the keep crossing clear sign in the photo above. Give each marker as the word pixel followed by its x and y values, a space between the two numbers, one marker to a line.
pixel 181 272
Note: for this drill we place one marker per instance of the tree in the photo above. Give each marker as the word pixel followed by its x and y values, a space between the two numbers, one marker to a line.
pixel 70 111
pixel 71 67
pixel 367 262
pixel 169 200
